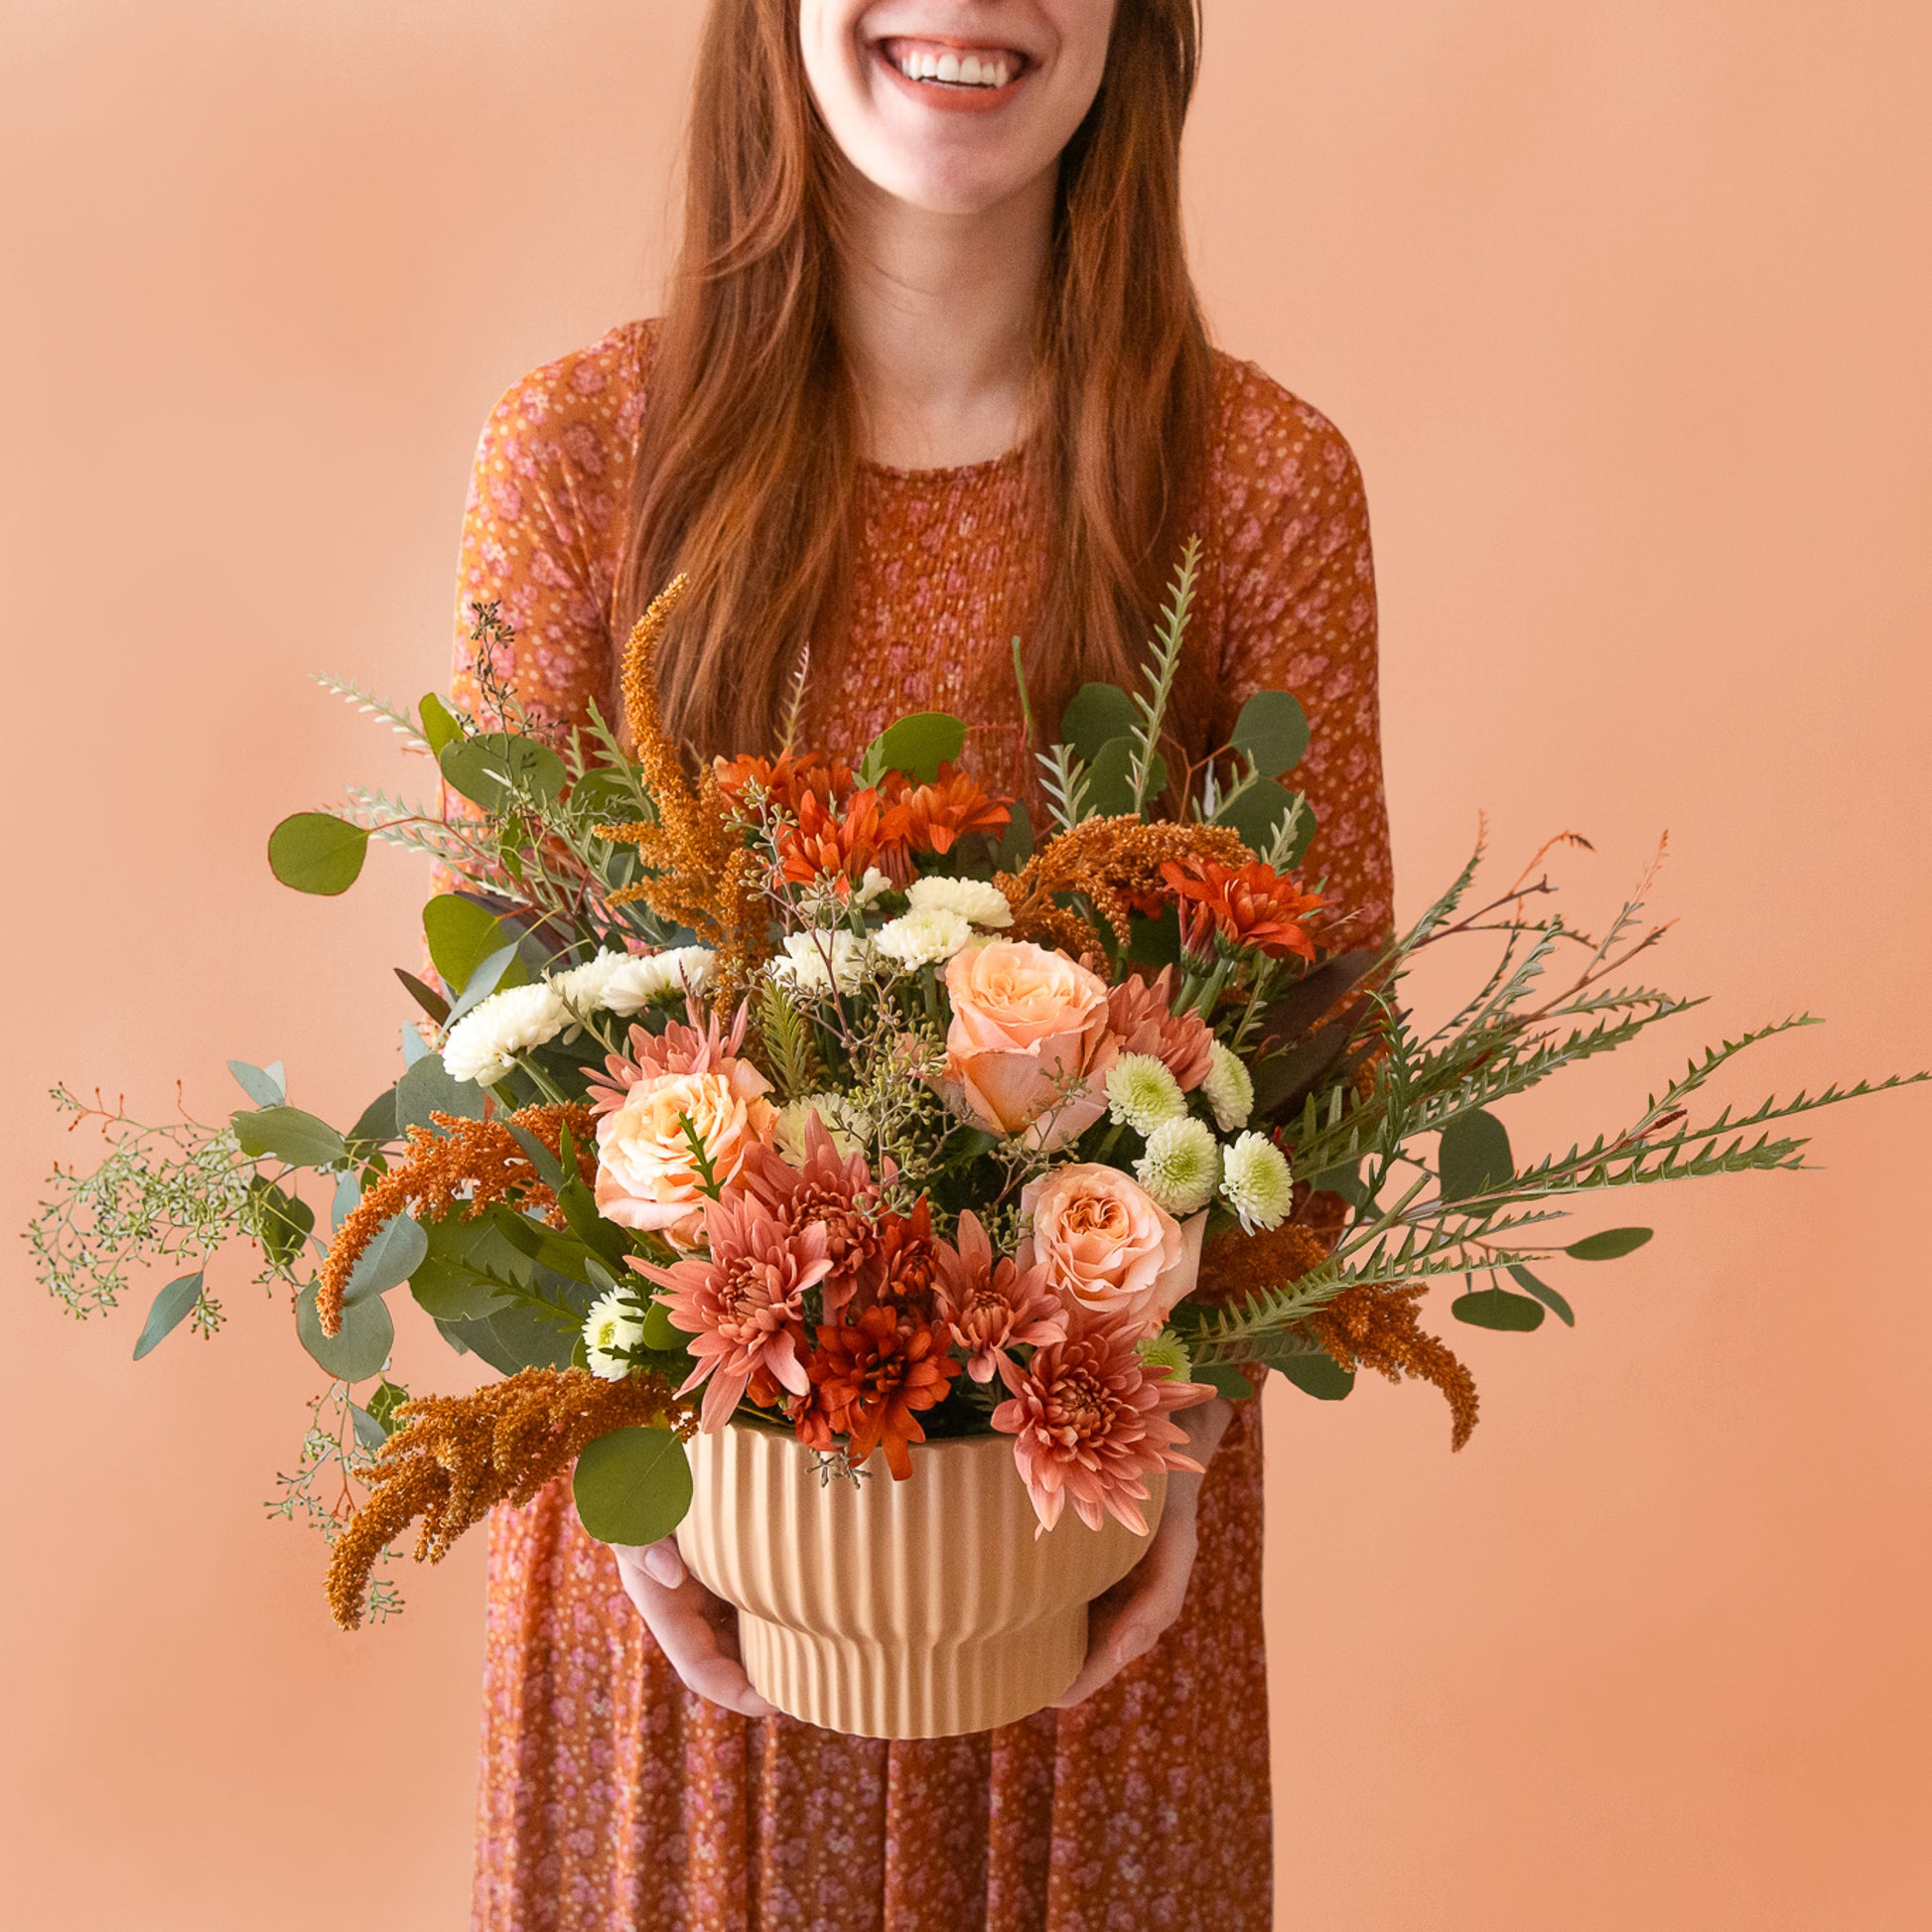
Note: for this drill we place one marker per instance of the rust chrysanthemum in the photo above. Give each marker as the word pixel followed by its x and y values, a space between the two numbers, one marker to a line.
pixel 1142 1017
pixel 870 1379
pixel 835 1194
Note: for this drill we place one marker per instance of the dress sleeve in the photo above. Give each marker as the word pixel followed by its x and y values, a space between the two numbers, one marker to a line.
pixel 542 528
pixel 1299 583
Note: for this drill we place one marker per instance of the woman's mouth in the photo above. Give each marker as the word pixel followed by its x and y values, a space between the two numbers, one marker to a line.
pixel 949 68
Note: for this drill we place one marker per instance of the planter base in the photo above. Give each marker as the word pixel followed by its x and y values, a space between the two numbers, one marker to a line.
pixel 924 1608
pixel 868 1689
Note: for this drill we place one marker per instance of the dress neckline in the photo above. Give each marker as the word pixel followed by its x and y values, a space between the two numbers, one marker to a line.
pixel 945 473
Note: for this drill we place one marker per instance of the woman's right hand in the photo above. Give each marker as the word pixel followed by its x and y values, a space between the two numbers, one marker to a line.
pixel 696 1632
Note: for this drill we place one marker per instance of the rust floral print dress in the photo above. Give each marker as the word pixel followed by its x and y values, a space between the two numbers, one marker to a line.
pixel 611 1797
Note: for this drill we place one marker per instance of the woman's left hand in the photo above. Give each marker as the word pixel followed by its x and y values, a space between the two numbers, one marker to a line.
pixel 1127 1621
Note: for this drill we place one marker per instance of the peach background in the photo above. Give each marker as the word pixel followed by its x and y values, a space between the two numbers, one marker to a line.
pixel 1625 311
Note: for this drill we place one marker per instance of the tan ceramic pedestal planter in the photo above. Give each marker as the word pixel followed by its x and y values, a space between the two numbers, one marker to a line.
pixel 897 1609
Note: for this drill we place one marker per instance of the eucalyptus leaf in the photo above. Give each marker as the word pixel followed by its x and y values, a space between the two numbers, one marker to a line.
pixel 169 1310
pixel 347 1199
pixel 450 1282
pixel 1497 1307
pixel 529 1339
pixel 283 1222
pixel 1110 784
pixel 317 851
pixel 429 1088
pixel 662 1334
pixel 917 746
pixel 1225 1379
pixel 494 769
pixel 1475 1158
pixel 288 1134
pixel 462 935
pixel 1254 813
pixel 1156 943
pixel 398 1250
pixel 1015 846
pixel 440 726
pixel 1544 1294
pixel 368 1431
pixel 359 1350
pixel 387 1398
pixel 633 1487
pixel 1610 1245
pixel 414 1046
pixel 1095 715
pixel 485 980
pixel 266 1086
pixel 1318 1374
pixel 1273 729
pixel 375 1125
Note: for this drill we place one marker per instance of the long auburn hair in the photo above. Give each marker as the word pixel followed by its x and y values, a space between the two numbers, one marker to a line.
pixel 750 426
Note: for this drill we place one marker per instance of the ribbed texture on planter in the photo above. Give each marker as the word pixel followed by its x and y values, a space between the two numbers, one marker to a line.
pixel 897 1609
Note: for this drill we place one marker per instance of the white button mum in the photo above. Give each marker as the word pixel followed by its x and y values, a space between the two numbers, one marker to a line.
pixel 813 960
pixel 1230 1090
pixel 1142 1093
pixel 1256 1182
pixel 977 903
pixel 484 1045
pixel 1182 1167
pixel 924 936
pixel 612 1327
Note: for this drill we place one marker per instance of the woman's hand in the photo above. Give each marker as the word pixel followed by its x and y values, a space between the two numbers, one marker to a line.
pixel 1127 1621
pixel 696 1632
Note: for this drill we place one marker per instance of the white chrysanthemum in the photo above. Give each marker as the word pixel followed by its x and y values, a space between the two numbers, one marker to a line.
pixel 1142 1093
pixel 643 976
pixel 1182 1167
pixel 836 1114
pixel 1256 1182
pixel 813 960
pixel 484 1045
pixel 1229 1089
pixel 924 936
pixel 612 1325
pixel 1166 1350
pixel 871 887
pixel 582 988
pixel 977 903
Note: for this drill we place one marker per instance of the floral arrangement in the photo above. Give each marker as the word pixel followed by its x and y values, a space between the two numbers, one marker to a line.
pixel 821 1095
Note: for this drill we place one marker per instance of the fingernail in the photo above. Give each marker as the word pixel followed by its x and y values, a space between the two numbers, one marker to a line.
pixel 664 1566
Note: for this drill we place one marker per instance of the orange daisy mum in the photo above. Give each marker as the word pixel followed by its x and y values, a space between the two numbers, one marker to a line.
pixel 1242 906
pixel 784 781
pixel 932 819
pixel 827 845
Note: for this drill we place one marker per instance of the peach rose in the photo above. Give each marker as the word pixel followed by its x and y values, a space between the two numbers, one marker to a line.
pixel 1028 1046
pixel 1108 1248
pixel 647 1173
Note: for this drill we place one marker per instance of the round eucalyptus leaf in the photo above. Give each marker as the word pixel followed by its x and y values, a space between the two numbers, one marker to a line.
pixel 317 851
pixel 660 1331
pixel 1096 714
pixel 1475 1156
pixel 440 726
pixel 1497 1307
pixel 462 935
pixel 917 746
pixel 496 768
pixel 396 1254
pixel 632 1485
pixel 1273 729
pixel 359 1350
pixel 1611 1245
pixel 1109 778
pixel 1256 812
pixel 1317 1374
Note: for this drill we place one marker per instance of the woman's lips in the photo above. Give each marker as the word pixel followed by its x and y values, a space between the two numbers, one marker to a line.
pixel 954 76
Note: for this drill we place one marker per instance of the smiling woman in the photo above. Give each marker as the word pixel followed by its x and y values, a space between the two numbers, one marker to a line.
pixel 931 377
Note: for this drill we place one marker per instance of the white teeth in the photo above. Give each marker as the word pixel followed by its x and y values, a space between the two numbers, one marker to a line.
pixel 967 72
